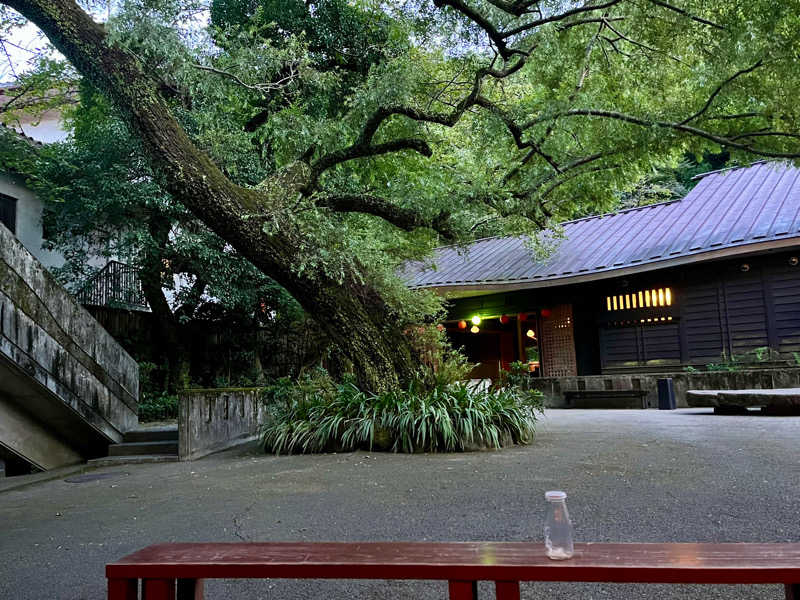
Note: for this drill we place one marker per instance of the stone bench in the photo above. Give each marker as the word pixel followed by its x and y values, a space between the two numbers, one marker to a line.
pixel 170 571
pixel 606 398
pixel 777 401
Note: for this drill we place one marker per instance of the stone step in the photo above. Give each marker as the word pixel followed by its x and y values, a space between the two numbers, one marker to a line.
pixel 110 461
pixel 152 434
pixel 138 448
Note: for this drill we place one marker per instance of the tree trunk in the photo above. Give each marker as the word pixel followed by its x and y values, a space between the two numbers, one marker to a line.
pixel 352 314
pixel 168 329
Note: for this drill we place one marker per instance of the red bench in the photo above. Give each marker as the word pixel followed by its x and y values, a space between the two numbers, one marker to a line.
pixel 168 571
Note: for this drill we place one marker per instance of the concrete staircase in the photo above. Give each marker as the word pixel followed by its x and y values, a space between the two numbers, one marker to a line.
pixel 142 445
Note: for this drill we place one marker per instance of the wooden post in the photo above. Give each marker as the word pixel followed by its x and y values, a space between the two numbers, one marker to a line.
pixel 158 589
pixel 507 590
pixel 463 590
pixel 520 344
pixel 190 589
pixel 123 589
pixel 792 591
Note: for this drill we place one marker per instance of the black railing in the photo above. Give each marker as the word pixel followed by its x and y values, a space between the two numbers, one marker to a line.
pixel 116 285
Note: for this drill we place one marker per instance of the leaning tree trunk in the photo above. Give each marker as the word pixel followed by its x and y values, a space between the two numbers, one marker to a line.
pixel 355 317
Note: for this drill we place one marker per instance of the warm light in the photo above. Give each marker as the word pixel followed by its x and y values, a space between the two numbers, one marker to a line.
pixel 661 297
pixel 627 301
pixel 476 320
pixel 462 324
pixel 633 300
pixel 641 302
pixel 530 333
pixel 615 302
pixel 608 303
pixel 474 329
pixel 668 295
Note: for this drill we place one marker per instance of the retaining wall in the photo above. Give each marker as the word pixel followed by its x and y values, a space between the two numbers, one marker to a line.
pixel 58 366
pixel 766 379
pixel 217 419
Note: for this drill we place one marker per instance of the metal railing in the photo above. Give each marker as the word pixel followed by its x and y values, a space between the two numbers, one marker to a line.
pixel 116 285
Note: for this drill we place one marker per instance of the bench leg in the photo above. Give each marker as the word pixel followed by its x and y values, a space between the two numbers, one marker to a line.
pixel 190 589
pixel 792 591
pixel 158 589
pixel 123 589
pixel 507 590
pixel 463 590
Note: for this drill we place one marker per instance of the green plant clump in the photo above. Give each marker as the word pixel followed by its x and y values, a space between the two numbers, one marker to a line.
pixel 317 415
pixel 158 408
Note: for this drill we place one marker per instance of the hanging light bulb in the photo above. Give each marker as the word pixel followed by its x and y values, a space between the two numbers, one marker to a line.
pixel 530 333
pixel 476 320
pixel 474 329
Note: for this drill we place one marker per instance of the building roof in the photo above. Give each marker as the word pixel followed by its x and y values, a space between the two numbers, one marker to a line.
pixel 729 212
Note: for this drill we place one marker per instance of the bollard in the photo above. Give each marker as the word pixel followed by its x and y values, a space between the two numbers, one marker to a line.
pixel 666 394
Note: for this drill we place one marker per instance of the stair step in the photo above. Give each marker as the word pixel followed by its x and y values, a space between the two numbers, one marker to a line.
pixel 138 448
pixel 110 461
pixel 152 434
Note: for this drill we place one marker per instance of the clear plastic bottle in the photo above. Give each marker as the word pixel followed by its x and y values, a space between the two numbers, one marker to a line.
pixel 557 527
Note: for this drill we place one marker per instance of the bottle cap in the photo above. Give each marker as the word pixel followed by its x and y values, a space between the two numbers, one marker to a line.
pixel 555 495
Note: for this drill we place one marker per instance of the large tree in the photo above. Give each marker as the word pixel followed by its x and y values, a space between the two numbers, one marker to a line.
pixel 491 117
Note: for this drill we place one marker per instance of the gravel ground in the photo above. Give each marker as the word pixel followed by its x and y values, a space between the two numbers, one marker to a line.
pixel 644 476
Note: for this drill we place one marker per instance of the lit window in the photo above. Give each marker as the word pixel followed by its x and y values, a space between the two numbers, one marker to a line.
pixel 641 299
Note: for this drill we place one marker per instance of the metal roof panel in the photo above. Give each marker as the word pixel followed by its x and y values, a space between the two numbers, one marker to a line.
pixel 728 208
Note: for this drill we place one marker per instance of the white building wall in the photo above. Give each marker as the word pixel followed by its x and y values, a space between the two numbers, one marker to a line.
pixel 29 219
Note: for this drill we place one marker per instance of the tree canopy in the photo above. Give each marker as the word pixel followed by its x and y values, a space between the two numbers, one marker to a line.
pixel 330 141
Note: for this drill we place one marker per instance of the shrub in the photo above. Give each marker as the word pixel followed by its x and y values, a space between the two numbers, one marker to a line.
pixel 317 415
pixel 158 408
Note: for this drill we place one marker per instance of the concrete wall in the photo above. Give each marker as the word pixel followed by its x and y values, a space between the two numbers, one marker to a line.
pixel 213 420
pixel 554 387
pixel 57 364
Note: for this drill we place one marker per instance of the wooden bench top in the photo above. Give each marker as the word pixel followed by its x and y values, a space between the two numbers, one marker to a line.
pixel 499 561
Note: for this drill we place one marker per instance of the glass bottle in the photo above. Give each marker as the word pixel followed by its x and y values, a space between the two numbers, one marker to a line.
pixel 557 527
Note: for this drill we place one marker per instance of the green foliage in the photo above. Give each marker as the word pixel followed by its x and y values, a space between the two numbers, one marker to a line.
pixel 158 408
pixel 154 404
pixel 737 362
pixel 315 414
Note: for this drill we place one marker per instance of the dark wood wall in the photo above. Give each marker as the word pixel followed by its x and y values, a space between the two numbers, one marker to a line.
pixel 719 309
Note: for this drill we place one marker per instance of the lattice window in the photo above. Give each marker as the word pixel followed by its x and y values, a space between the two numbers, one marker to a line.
pixel 558 343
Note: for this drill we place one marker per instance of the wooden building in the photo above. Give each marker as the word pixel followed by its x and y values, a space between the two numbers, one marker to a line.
pixel 657 288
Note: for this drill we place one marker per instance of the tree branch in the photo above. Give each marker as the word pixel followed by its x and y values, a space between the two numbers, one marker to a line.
pixel 719 89
pixel 687 14
pixel 361 150
pixel 719 139
pixel 404 218
pixel 559 17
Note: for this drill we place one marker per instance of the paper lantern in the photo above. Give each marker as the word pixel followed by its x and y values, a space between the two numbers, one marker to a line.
pixel 522 316
pixel 504 319
pixel 462 324
pixel 546 312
